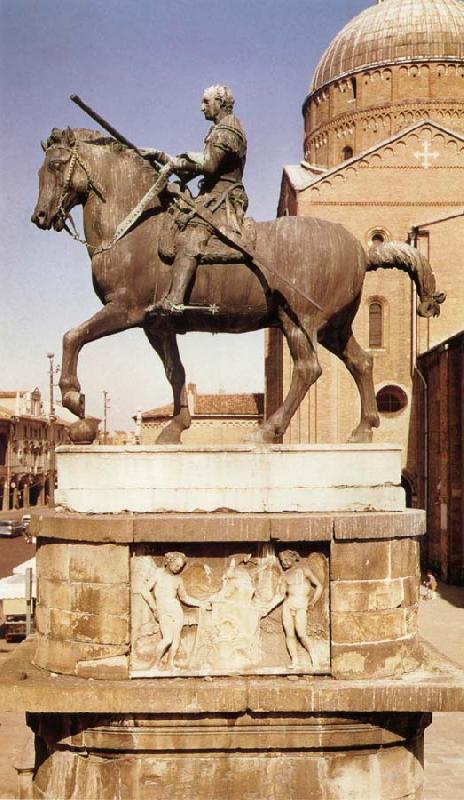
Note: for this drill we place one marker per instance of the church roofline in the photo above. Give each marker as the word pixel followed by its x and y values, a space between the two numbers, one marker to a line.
pixel 314 179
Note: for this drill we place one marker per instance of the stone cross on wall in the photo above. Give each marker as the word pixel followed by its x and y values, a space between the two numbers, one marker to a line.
pixel 427 155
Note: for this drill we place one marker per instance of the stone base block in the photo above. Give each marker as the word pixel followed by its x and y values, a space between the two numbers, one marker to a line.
pixel 243 478
pixel 277 757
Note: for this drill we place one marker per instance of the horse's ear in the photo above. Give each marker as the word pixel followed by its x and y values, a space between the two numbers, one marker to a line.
pixel 43 146
pixel 70 136
pixel 55 137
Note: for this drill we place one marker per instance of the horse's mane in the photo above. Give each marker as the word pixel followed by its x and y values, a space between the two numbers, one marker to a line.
pixel 89 136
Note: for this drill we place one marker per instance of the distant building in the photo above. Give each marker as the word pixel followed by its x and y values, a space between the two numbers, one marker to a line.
pixel 24 448
pixel 116 437
pixel 216 418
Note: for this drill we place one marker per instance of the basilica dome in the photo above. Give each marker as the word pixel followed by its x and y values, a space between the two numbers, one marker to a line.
pixel 392 32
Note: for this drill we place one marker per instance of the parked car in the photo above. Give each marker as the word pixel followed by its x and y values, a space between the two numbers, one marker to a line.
pixel 11 527
pixel 15 625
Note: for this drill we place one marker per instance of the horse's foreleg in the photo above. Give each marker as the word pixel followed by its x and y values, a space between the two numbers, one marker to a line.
pixel 165 344
pixel 306 371
pixel 112 318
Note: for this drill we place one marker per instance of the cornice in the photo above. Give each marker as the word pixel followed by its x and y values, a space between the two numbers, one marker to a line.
pixel 367 68
pixel 384 108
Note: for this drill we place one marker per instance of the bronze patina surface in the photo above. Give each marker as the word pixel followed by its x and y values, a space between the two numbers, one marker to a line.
pixel 304 276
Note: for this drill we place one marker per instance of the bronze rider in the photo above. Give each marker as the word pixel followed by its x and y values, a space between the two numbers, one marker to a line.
pixel 221 192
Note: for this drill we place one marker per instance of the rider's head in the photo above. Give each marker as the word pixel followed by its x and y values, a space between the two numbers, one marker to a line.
pixel 217 100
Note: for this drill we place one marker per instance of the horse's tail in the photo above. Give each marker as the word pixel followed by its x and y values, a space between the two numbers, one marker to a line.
pixel 399 255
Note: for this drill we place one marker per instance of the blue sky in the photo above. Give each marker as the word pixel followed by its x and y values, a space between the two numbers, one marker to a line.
pixel 143 65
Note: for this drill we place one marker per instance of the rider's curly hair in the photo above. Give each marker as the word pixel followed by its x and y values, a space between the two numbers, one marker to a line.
pixel 223 94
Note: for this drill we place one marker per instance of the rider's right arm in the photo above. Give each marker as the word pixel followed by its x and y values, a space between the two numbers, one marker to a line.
pixel 155 155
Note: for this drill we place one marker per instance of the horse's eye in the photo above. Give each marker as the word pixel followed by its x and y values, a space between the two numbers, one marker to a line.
pixel 55 165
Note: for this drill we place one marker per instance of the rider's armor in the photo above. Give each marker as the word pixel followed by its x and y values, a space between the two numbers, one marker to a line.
pixel 221 195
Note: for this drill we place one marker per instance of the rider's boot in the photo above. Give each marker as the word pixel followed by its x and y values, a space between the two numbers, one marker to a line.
pixel 183 268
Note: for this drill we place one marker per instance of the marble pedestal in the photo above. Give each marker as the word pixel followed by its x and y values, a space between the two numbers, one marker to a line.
pixel 232 716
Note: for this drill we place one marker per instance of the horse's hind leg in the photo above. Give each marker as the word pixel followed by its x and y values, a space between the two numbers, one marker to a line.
pixel 360 365
pixel 306 371
pixel 112 318
pixel 165 344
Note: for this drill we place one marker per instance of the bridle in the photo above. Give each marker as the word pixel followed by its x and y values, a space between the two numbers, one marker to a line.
pixel 62 215
pixel 93 185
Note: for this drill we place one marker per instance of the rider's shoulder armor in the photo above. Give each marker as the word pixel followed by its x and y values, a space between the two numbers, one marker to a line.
pixel 229 135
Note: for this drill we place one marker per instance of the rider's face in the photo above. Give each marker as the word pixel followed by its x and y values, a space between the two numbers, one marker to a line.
pixel 210 106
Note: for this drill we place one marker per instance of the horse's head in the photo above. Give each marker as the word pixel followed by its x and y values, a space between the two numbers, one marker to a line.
pixel 63 180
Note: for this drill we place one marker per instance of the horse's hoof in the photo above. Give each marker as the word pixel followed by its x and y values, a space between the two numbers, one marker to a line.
pixel 264 436
pixel 170 435
pixel 75 403
pixel 361 435
pixel 84 431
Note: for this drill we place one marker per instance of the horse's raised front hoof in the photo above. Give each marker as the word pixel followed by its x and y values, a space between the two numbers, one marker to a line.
pixel 84 431
pixel 361 435
pixel 171 434
pixel 75 402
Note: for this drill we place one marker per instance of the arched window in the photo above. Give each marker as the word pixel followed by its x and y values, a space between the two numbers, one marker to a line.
pixel 347 153
pixel 353 87
pixel 375 324
pixel 391 399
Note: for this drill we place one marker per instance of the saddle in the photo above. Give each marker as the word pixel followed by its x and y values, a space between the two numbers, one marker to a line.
pixel 216 252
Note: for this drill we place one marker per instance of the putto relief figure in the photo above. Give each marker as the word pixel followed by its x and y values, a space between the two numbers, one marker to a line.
pixel 169 593
pixel 300 589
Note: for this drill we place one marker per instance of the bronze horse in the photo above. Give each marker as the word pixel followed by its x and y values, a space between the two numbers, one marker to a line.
pixel 321 259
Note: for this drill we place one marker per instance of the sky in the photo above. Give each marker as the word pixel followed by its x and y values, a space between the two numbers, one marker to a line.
pixel 143 66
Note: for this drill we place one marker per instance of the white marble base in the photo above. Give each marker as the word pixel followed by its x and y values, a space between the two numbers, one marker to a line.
pixel 245 478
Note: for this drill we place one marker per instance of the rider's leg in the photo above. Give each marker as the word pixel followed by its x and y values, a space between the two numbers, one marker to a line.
pixel 190 244
pixel 184 268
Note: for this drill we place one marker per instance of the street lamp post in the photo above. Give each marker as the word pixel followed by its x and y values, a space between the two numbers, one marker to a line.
pixel 106 405
pixel 51 432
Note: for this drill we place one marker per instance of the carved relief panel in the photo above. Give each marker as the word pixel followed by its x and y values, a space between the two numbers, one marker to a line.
pixel 223 609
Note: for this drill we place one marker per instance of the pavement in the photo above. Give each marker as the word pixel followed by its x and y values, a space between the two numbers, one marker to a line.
pixel 441 621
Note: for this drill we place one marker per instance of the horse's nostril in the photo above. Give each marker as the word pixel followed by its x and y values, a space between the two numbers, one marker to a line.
pixel 39 218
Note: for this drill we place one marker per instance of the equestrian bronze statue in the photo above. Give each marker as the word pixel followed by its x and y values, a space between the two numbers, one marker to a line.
pixel 169 263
